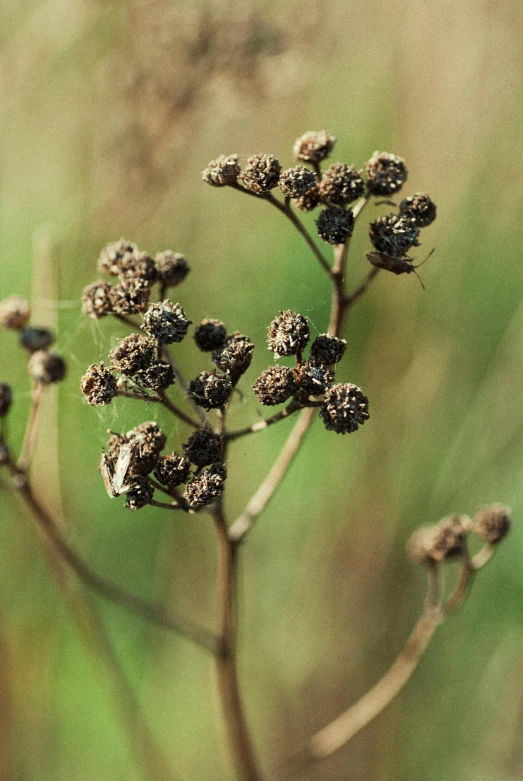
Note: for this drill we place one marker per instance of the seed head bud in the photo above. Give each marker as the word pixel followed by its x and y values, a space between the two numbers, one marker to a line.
pixel 492 523
pixel 149 434
pixel 166 322
pixel 275 385
pixel 235 357
pixel 419 208
pixel 210 335
pixel 140 494
pixel 222 171
pixel 46 368
pixel 327 349
pixel 335 225
pixel 386 174
pixel 133 354
pixel 204 447
pixel 98 385
pixel 158 376
pixel 210 390
pixel 130 296
pixel 206 487
pixel 171 268
pixel 341 184
pixel 96 299
pixel 113 254
pixel 313 378
pixel 172 470
pixel 261 174
pixel 14 312
pixel 138 266
pixel 314 146
pixel 34 339
pixel 288 334
pixel 394 235
pixel 344 408
pixel 295 182
pixel 309 200
pixel 441 542
pixel 5 398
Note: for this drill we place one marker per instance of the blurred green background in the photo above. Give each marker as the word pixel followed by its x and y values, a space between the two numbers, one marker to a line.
pixel 109 111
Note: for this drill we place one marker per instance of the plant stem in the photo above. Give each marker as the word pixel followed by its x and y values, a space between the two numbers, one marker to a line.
pixel 264 423
pixel 31 430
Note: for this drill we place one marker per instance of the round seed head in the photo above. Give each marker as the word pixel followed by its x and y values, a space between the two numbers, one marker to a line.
pixel 158 376
pixel 150 434
pixel 113 254
pixel 14 312
pixel 419 208
pixel 98 385
pixel 140 494
pixel 171 268
pixel 295 182
pixel 327 349
pixel 133 354
pixel 275 385
pixel 335 225
pixel 441 542
pixel 386 174
pixel 288 334
pixel 129 297
pixel 210 335
pixel 5 398
pixel 222 171
pixel 341 184
pixel 261 174
pixel 313 378
pixel 138 265
pixel 394 235
pixel 344 408
pixel 206 487
pixel 96 299
pixel 172 470
pixel 235 357
pixel 46 368
pixel 34 339
pixel 308 201
pixel 492 523
pixel 166 322
pixel 210 390
pixel 314 146
pixel 204 447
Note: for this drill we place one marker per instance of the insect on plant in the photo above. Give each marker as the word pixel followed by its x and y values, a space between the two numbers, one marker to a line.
pixel 396 265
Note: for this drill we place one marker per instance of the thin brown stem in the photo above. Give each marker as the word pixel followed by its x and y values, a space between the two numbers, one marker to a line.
pixel 166 505
pixel 31 430
pixel 264 423
pixel 287 210
pixel 361 289
pixel 168 404
pixel 184 385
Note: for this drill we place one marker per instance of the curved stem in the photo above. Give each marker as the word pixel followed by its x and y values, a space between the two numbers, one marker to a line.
pixel 31 430
pixel 287 210
pixel 264 423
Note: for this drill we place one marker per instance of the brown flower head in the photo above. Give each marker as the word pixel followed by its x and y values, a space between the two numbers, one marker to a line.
pixel 341 184
pixel 96 299
pixel 5 398
pixel 288 334
pixel 166 322
pixel 491 523
pixel 210 390
pixel 222 171
pixel 141 493
pixel 98 385
pixel 113 254
pixel 344 408
pixel 129 297
pixel 419 208
pixel 14 312
pixel 133 354
pixel 204 447
pixel 158 376
pixel 235 357
pixel 313 378
pixel 47 368
pixel 386 174
pixel 335 225
pixel 275 385
pixel 261 174
pixel 171 268
pixel 327 349
pixel 210 335
pixel 34 339
pixel 443 541
pixel 138 266
pixel 206 487
pixel 394 235
pixel 308 201
pixel 150 434
pixel 314 146
pixel 172 470
pixel 295 182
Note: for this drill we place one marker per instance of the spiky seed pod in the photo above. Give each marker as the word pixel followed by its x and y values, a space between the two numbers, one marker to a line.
pixel 314 146
pixel 133 354
pixel 113 254
pixel 99 385
pixel 275 385
pixel 308 201
pixel 14 312
pixel 166 322
pixel 204 447
pixel 394 235
pixel 6 398
pixel 171 268
pixel 129 297
pixel 335 225
pixel 172 470
pixel 158 376
pixel 313 378
pixel 344 408
pixel 441 542
pixel 261 174
pixel 341 184
pixel 210 390
pixel 235 357
pixel 210 335
pixel 420 208
pixel 288 334
pixel 491 523
pixel 295 182
pixel 34 339
pixel 150 434
pixel 222 171
pixel 47 368
pixel 96 299
pixel 327 349
pixel 206 487
pixel 141 493
pixel 386 174
pixel 138 266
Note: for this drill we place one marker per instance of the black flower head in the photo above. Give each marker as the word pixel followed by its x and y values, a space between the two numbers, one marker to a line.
pixel 166 322
pixel 394 235
pixel 172 470
pixel 210 390
pixel 141 493
pixel 419 208
pixel 210 335
pixel 171 268
pixel 5 398
pixel 327 349
pixel 344 408
pixel 47 368
pixel 204 447
pixel 34 339
pixel 235 357
pixel 386 174
pixel 158 375
pixel 335 225
pixel 288 334
pixel 341 184
pixel 313 378
pixel 492 523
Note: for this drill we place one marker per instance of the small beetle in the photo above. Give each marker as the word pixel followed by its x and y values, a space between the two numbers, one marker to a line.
pixel 396 265
pixel 116 477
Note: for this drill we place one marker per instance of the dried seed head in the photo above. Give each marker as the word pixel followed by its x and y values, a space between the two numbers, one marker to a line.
pixel 14 312
pixel 113 254
pixel 204 447
pixel 327 349
pixel 344 408
pixel 314 146
pixel 158 376
pixel 166 322
pixel 150 434
pixel 34 339
pixel 275 385
pixel 6 398
pixel 261 173
pixel 210 335
pixel 129 297
pixel 98 385
pixel 288 334
pixel 46 368
pixel 341 184
pixel 308 201
pixel 394 235
pixel 235 357
pixel 96 299
pixel 141 493
pixel 313 378
pixel 386 174
pixel 171 268
pixel 210 390
pixel 492 523
pixel 335 225
pixel 138 266
pixel 172 470
pixel 114 444
pixel 295 182
pixel 206 487
pixel 222 171
pixel 419 208
pixel 441 542
pixel 133 354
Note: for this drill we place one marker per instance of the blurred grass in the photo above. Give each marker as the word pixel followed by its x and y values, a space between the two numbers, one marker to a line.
pixel 328 596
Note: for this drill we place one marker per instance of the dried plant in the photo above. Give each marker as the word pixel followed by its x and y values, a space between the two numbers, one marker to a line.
pixel 191 476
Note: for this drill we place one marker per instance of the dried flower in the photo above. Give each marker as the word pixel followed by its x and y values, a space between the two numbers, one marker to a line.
pixel 295 182
pixel 386 173
pixel 129 297
pixel 210 390
pixel 46 368
pixel 327 349
pixel 261 174
pixel 138 266
pixel 96 299
pixel 344 408
pixel 150 434
pixel 99 385
pixel 313 378
pixel 288 334
pixel 204 447
pixel 6 398
pixel 335 225
pixel 492 523
pixel 314 146
pixel 235 357
pixel 394 235
pixel 419 208
pixel 222 171
pixel 206 487
pixel 34 339
pixel 133 354
pixel 166 322
pixel 158 376
pixel 141 493
pixel 14 312
pixel 275 385
pixel 308 201
pixel 171 268
pixel 210 335
pixel 172 470
pixel 113 254
pixel 341 184
pixel 441 542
